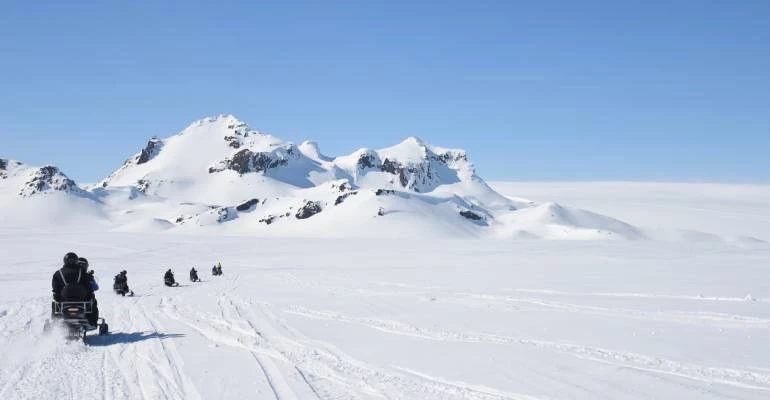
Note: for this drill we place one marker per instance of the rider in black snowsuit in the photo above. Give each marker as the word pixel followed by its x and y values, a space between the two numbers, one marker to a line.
pixel 121 284
pixel 194 275
pixel 168 278
pixel 72 282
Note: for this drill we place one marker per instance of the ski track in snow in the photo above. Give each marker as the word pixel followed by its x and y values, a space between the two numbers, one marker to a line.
pixel 328 373
pixel 739 378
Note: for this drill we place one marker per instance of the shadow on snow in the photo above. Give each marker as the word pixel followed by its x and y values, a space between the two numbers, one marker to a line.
pixel 125 337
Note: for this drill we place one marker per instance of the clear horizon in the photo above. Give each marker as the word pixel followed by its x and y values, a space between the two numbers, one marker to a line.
pixel 554 91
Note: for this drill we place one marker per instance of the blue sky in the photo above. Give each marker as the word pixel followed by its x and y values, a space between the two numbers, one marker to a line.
pixel 545 90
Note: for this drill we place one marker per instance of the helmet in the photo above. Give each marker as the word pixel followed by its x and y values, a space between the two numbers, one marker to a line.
pixel 70 258
pixel 83 262
pixel 123 272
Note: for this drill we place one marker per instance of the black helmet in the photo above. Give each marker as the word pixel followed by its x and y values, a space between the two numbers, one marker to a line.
pixel 70 258
pixel 123 272
pixel 83 262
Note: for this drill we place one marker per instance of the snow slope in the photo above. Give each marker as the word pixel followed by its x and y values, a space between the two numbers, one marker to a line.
pixel 32 197
pixel 732 211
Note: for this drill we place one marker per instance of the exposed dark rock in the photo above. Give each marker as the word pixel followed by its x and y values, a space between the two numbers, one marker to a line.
pixel 150 151
pixel 308 210
pixel 391 167
pixel 342 198
pixel 225 214
pixel 451 156
pixel 48 177
pixel 233 142
pixel 381 192
pixel 143 185
pixel 471 215
pixel 409 176
pixel 180 219
pixel 3 166
pixel 366 160
pixel 402 178
pixel 246 161
pixel 268 219
pixel 248 205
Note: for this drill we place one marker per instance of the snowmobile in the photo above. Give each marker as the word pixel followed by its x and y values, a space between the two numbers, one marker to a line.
pixel 72 314
pixel 122 289
pixel 168 279
pixel 121 285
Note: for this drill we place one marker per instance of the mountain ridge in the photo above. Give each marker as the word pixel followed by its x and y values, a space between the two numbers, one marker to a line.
pixel 219 175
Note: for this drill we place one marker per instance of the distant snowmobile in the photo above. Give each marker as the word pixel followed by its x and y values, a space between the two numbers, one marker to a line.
pixel 121 284
pixel 194 275
pixel 168 279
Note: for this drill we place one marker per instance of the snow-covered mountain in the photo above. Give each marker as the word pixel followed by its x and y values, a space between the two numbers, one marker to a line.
pixel 219 175
pixel 35 196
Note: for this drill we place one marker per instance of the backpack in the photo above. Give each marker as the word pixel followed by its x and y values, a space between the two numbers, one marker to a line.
pixel 73 291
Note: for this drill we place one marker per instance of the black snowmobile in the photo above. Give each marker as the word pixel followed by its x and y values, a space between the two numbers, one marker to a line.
pixel 168 279
pixel 72 312
pixel 121 285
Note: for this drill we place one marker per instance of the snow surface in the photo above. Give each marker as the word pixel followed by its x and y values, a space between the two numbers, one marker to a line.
pixel 416 318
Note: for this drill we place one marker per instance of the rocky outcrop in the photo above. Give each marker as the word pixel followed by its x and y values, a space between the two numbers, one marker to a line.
pixel 368 159
pixel 3 167
pixel 382 192
pixel 341 198
pixel 225 214
pixel 150 151
pixel 308 210
pixel 247 161
pixel 48 178
pixel 269 219
pixel 247 205
pixel 422 173
pixel 468 214
pixel 142 185
pixel 233 142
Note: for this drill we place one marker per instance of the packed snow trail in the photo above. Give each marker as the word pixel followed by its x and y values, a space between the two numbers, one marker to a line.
pixel 311 319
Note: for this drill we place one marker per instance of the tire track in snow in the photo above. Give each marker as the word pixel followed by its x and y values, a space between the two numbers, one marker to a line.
pixel 723 320
pixel 734 377
pixel 746 299
pixel 329 373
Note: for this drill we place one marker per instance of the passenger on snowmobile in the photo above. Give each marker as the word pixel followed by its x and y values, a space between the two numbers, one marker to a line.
pixel 214 271
pixel 194 275
pixel 219 268
pixel 92 281
pixel 73 283
pixel 168 279
pixel 121 284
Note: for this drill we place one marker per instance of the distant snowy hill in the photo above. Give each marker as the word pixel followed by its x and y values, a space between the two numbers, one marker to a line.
pixel 44 196
pixel 218 175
